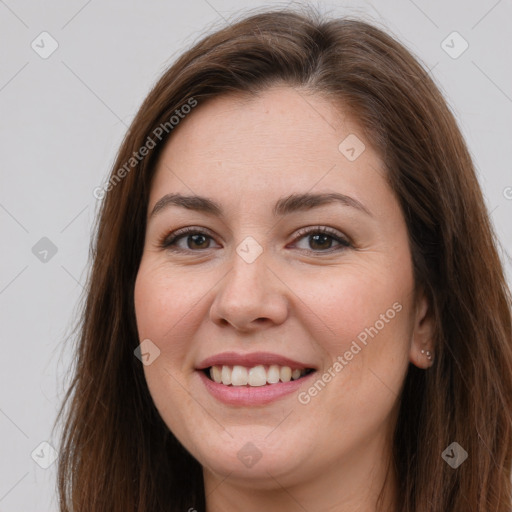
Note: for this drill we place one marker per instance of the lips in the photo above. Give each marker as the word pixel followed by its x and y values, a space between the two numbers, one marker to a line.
pixel 251 360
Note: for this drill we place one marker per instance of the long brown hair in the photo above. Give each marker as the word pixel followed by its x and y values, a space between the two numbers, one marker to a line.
pixel 117 455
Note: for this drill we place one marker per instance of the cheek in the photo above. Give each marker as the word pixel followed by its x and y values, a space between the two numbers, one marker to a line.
pixel 355 304
pixel 162 308
pixel 164 305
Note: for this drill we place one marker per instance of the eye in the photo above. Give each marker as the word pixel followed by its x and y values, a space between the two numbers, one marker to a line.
pixel 194 238
pixel 321 238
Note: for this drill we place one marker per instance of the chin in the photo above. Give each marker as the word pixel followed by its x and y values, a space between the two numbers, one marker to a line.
pixel 254 458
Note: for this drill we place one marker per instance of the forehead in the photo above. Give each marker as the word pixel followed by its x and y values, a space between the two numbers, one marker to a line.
pixel 277 119
pixel 281 140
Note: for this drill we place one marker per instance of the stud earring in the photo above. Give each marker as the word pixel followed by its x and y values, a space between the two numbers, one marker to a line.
pixel 428 354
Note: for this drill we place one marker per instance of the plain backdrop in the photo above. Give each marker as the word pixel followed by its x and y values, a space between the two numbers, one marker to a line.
pixel 63 116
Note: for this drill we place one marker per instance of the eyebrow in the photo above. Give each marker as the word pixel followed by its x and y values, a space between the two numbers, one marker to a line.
pixel 284 206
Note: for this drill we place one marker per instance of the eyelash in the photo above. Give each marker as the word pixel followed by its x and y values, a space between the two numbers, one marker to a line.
pixel 169 240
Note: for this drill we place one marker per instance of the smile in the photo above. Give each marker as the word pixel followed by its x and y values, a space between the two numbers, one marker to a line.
pixel 252 379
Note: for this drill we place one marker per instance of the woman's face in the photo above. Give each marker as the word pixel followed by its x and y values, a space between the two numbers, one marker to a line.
pixel 259 291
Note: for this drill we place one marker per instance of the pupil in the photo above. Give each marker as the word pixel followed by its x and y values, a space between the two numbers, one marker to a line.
pixel 195 240
pixel 323 237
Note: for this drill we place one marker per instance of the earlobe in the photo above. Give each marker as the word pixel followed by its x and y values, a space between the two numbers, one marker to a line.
pixel 421 352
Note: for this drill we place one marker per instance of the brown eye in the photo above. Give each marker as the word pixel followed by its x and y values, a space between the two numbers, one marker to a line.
pixel 321 239
pixel 196 240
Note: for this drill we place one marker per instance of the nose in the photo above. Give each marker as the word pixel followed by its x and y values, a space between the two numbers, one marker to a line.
pixel 250 296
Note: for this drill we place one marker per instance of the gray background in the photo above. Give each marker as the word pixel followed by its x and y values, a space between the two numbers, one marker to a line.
pixel 62 119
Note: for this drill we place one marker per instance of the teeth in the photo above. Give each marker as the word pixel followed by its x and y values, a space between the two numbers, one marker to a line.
pixel 239 376
pixel 226 375
pixel 285 374
pixel 256 376
pixel 273 374
pixel 216 373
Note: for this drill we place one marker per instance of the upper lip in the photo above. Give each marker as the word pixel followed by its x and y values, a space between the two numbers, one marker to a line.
pixel 250 360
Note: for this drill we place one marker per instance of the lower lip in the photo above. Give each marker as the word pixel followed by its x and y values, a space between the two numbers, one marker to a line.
pixel 252 395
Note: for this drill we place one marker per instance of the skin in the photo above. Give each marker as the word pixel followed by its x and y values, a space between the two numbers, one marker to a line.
pixel 302 298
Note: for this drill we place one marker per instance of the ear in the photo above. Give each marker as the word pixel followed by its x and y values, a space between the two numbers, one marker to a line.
pixel 422 344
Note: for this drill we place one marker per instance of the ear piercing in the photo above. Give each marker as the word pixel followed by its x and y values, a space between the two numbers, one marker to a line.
pixel 428 354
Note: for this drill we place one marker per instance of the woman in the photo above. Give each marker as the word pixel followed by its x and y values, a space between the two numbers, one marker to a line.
pixel 296 302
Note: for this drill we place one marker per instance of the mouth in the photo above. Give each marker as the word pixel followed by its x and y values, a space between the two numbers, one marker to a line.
pixel 254 376
pixel 253 379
